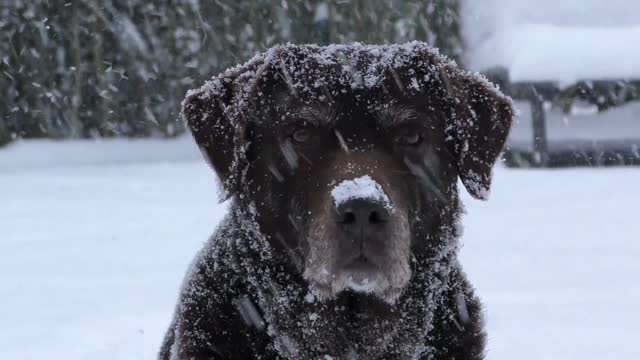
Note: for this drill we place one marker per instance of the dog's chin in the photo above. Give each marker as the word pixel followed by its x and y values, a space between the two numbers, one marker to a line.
pixel 361 280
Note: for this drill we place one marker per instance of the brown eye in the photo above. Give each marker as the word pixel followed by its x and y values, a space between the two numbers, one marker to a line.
pixel 301 136
pixel 409 139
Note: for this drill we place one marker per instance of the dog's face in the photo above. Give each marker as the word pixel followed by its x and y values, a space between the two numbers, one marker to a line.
pixel 351 174
pixel 345 177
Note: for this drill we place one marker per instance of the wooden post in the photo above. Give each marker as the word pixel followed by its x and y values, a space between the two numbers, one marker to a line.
pixel 539 123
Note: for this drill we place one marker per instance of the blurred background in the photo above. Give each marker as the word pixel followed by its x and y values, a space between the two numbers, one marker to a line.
pixel 104 199
pixel 89 69
pixel 73 69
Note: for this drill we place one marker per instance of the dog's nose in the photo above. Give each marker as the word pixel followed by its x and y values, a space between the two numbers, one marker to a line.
pixel 362 214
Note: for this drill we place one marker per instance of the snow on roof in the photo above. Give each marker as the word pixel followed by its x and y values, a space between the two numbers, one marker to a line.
pixel 564 54
pixel 548 40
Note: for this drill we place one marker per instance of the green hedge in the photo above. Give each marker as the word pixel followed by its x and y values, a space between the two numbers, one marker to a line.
pixel 121 67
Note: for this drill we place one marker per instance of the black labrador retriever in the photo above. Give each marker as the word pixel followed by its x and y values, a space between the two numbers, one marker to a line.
pixel 342 237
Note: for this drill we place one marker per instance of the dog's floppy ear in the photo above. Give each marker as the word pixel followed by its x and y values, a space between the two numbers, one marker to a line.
pixel 219 137
pixel 478 127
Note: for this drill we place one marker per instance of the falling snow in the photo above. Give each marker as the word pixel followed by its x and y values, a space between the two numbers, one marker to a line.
pixel 97 234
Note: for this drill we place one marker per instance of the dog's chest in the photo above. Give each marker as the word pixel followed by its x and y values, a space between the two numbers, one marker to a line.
pixel 335 330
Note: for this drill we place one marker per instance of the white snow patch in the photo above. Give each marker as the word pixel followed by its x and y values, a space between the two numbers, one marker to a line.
pixel 310 298
pixel 569 54
pixel 474 184
pixel 549 40
pixel 363 187
pixel 321 13
pixel 95 245
pixel 46 154
pixel 365 286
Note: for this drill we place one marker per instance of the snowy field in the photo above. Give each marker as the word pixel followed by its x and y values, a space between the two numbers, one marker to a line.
pixel 96 238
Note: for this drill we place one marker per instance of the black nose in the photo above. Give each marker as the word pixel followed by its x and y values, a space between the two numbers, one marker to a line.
pixel 362 214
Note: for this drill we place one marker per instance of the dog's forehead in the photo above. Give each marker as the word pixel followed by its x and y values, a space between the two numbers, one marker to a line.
pixel 327 76
pixel 385 113
pixel 375 107
pixel 324 85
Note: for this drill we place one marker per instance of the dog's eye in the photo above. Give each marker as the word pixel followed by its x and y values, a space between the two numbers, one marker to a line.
pixel 409 139
pixel 301 136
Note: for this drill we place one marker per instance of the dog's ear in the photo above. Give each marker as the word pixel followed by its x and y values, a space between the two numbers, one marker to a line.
pixel 218 135
pixel 478 127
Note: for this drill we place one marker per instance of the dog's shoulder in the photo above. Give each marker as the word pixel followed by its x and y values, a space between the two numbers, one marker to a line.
pixel 215 314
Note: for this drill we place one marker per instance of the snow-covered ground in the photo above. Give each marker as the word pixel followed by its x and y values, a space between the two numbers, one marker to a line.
pixel 95 238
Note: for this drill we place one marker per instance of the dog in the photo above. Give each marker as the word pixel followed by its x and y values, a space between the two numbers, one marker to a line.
pixel 341 164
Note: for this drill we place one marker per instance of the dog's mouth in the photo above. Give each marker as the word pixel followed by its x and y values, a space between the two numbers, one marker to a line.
pixel 360 262
pixel 362 274
pixel 377 265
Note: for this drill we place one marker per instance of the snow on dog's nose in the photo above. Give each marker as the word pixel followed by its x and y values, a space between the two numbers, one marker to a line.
pixel 364 188
pixel 363 213
pixel 360 238
pixel 362 209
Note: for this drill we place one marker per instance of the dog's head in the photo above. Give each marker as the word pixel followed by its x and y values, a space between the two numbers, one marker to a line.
pixel 349 152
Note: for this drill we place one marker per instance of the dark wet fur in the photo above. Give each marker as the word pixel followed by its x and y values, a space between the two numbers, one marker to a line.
pixel 253 260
